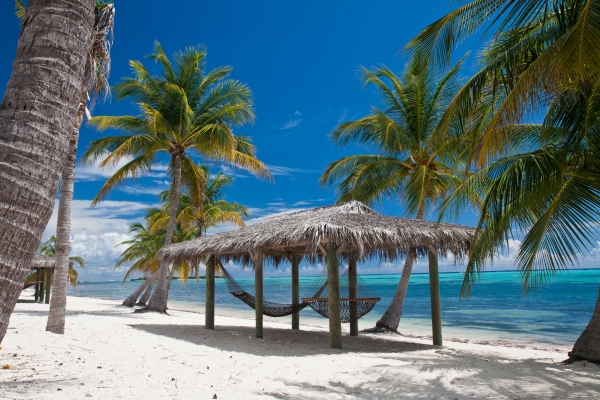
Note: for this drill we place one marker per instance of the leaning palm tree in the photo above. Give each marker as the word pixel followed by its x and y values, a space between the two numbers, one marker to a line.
pixel 45 84
pixel 541 56
pixel 48 248
pixel 94 83
pixel 413 163
pixel 182 110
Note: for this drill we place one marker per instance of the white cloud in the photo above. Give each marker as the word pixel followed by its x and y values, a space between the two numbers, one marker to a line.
pixel 96 232
pixel 93 172
pixel 287 171
pixel 292 123
pixel 298 113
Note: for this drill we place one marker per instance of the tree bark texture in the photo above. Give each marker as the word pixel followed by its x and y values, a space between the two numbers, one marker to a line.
pixel 36 116
pixel 58 305
pixel 391 318
pixel 132 299
pixel 587 345
pixel 158 300
pixel 333 286
pixel 146 295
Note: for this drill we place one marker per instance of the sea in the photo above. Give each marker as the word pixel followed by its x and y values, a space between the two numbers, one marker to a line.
pixel 498 309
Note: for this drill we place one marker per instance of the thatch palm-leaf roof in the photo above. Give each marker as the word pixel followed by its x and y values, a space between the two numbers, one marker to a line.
pixel 44 261
pixel 352 225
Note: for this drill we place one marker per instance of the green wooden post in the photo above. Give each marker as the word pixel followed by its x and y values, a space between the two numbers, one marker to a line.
pixel 48 284
pixel 353 293
pixel 37 285
pixel 42 284
pixel 333 284
pixel 209 313
pixel 295 260
pixel 434 290
pixel 258 293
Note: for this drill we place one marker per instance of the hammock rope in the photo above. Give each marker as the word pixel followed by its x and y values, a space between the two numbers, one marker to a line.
pixel 363 302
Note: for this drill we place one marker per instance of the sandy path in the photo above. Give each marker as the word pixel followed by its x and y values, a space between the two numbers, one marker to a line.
pixel 108 352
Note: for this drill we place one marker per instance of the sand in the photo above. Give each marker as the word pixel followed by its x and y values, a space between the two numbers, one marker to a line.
pixel 109 352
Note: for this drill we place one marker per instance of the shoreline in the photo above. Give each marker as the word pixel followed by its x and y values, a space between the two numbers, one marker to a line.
pixel 109 352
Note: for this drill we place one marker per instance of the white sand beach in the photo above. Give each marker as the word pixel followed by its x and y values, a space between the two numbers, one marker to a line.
pixel 109 352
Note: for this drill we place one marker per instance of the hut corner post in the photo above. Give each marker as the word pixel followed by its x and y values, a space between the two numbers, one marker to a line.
pixel 434 290
pixel 257 258
pixel 48 284
pixel 42 285
pixel 37 285
pixel 333 285
pixel 352 293
pixel 209 314
pixel 295 260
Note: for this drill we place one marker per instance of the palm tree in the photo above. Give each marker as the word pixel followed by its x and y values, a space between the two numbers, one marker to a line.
pixel 48 248
pixel 41 98
pixel 413 163
pixel 94 83
pixel 181 111
pixel 541 57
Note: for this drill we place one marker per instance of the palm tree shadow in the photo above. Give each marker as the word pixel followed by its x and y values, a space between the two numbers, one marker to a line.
pixel 276 342
pixel 455 375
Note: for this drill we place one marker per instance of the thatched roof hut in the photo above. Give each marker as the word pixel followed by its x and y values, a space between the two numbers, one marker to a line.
pixel 353 225
pixel 350 230
pixel 41 261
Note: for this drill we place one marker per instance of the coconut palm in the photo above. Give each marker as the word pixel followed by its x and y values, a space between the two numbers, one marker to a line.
pixel 541 57
pixel 48 248
pixel 94 83
pixel 413 162
pixel 45 86
pixel 181 111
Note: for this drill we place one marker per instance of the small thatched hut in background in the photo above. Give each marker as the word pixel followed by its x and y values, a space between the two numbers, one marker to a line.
pixel 351 231
pixel 42 267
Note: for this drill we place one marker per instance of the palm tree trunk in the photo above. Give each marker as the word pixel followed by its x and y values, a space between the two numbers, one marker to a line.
pixel 58 304
pixel 587 345
pixel 146 295
pixel 132 299
pixel 36 119
pixel 391 318
pixel 158 300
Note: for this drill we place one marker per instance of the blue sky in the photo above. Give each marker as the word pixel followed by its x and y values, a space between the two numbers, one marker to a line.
pixel 299 58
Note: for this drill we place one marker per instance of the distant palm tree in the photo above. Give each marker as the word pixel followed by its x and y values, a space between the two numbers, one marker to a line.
pixel 412 163
pixel 149 239
pixel 182 110
pixel 48 248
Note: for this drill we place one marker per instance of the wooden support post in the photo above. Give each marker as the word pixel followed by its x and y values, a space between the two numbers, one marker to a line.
pixel 42 284
pixel 37 285
pixel 258 293
pixel 353 293
pixel 209 313
pixel 48 284
pixel 434 290
pixel 333 284
pixel 295 260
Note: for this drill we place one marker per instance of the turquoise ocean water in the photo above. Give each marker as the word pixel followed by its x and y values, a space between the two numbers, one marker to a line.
pixel 498 309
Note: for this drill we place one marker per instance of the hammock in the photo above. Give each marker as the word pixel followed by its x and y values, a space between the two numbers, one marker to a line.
pixel 363 302
pixel 269 309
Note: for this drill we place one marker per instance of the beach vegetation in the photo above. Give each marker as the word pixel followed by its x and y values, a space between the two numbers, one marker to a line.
pixel 541 58
pixel 29 177
pixel 412 161
pixel 183 110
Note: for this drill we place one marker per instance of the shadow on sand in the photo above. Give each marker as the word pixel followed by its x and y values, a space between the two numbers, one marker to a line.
pixel 276 342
